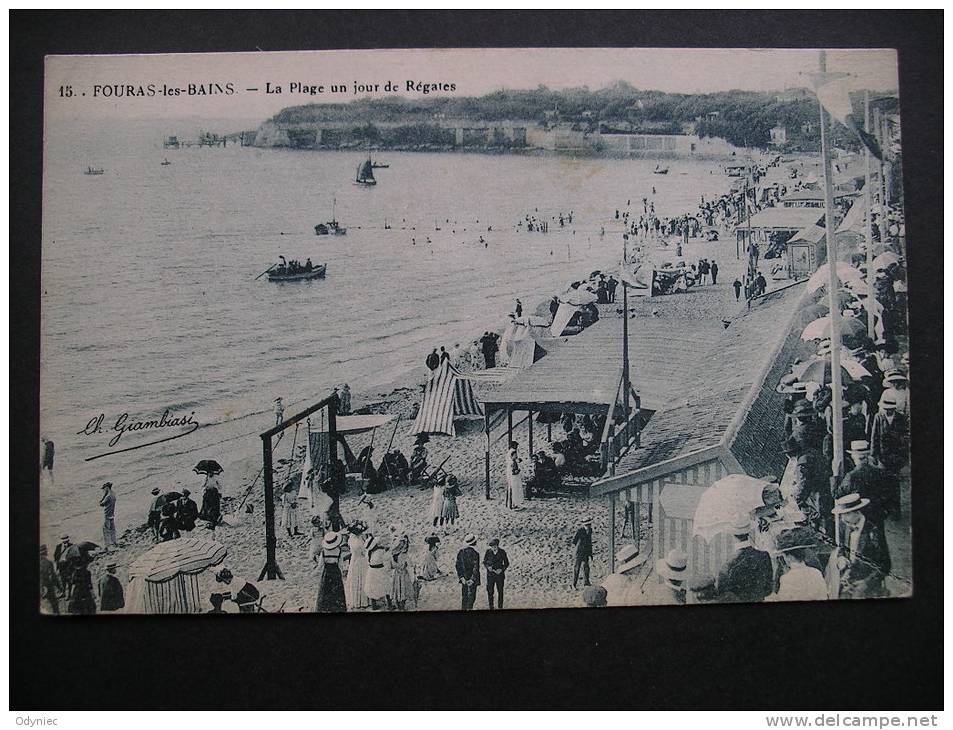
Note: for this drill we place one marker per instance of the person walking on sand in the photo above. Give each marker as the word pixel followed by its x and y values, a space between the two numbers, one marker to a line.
pixel 108 503
pixel 496 562
pixel 46 463
pixel 289 510
pixel 450 510
pixel 430 569
pixel 468 572
pixel 436 503
pixel 444 355
pixel 583 542
pixel 344 400
pixel 211 503
pixel 330 595
pixel 354 595
pixel 737 285
pixel 402 592
pixel 514 478
pixel 519 309
pixel 279 411
pixel 377 582
pixel 714 272
pixel 50 586
pixel 155 513
pixel 111 596
pixel 81 600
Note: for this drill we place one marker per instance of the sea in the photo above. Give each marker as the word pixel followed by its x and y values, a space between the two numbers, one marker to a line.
pixel 150 301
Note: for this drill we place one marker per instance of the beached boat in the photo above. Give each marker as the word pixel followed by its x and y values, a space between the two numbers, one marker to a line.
pixel 659 170
pixel 94 171
pixel 365 174
pixel 317 272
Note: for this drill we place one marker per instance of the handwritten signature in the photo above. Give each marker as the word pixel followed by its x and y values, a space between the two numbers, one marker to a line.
pixel 124 425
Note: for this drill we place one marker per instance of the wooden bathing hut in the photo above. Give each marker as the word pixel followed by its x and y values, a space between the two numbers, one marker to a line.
pixel 727 418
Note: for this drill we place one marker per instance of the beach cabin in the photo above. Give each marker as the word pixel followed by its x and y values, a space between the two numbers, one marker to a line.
pixel 806 250
pixel 736 170
pixel 815 199
pixel 727 418
pixel 773 227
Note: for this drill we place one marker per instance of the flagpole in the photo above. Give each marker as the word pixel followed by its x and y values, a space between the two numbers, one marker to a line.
pixel 833 287
pixel 625 340
pixel 868 231
pixel 882 223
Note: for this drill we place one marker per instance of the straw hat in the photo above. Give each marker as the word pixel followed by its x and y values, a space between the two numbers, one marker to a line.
pixel 470 539
pixel 895 376
pixel 331 541
pixel 628 558
pixel 889 399
pixel 849 503
pixel 861 448
pixel 673 568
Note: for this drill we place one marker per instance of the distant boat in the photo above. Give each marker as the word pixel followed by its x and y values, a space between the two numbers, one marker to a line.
pixel 94 171
pixel 659 170
pixel 165 162
pixel 379 166
pixel 365 173
pixel 317 272
pixel 332 227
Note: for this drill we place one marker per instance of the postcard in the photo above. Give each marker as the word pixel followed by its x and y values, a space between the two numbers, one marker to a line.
pixel 427 330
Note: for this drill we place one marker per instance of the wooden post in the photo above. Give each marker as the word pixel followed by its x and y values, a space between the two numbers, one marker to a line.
pixel 509 427
pixel 549 432
pixel 271 571
pixel 612 498
pixel 637 534
pixel 486 449
pixel 530 426
pixel 868 229
pixel 833 290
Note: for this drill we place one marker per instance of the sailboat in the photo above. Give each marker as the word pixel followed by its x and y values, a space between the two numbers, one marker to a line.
pixel 331 228
pixel 94 171
pixel 659 170
pixel 365 173
pixel 165 162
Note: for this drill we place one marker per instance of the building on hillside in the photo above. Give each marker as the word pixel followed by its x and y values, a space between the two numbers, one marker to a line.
pixel 779 135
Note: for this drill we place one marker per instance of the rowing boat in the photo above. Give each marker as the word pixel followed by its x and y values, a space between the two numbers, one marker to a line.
pixel 317 272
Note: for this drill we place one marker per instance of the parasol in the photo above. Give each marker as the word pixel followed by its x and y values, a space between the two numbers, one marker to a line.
pixel 885 259
pixel 818 370
pixel 821 328
pixel 187 555
pixel 813 311
pixel 80 550
pixel 208 466
pixel 820 277
pixel 725 502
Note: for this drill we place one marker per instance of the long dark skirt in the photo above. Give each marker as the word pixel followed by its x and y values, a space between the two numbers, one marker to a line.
pixel 330 598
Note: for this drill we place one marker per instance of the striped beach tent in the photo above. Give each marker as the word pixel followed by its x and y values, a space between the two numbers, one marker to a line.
pixel 447 396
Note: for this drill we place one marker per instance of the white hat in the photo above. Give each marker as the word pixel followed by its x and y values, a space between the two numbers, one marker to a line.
pixel 674 568
pixel 849 503
pixel 470 539
pixel 859 447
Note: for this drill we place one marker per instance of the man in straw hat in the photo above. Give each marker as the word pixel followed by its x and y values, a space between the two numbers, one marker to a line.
pixel 888 434
pixel 857 568
pixel 621 586
pixel 879 491
pixel 812 482
pixel 895 379
pixel 468 571
pixel 111 596
pixel 583 542
pixel 801 581
pixel 747 575
pixel 806 427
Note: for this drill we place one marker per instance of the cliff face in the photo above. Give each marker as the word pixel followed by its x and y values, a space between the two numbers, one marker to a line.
pixel 269 135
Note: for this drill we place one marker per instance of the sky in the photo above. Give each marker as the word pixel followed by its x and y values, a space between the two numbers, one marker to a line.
pixel 472 71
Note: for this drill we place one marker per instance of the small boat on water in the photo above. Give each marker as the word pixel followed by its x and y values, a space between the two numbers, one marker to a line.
pixel 317 272
pixel 379 166
pixel 659 170
pixel 332 227
pixel 365 174
pixel 94 171
pixel 165 162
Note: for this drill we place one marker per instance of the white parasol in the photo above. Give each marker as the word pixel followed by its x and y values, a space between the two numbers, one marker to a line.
pixel 725 502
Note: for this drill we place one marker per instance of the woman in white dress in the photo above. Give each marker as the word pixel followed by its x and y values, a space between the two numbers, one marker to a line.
pixel 357 571
pixel 514 478
pixel 378 581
